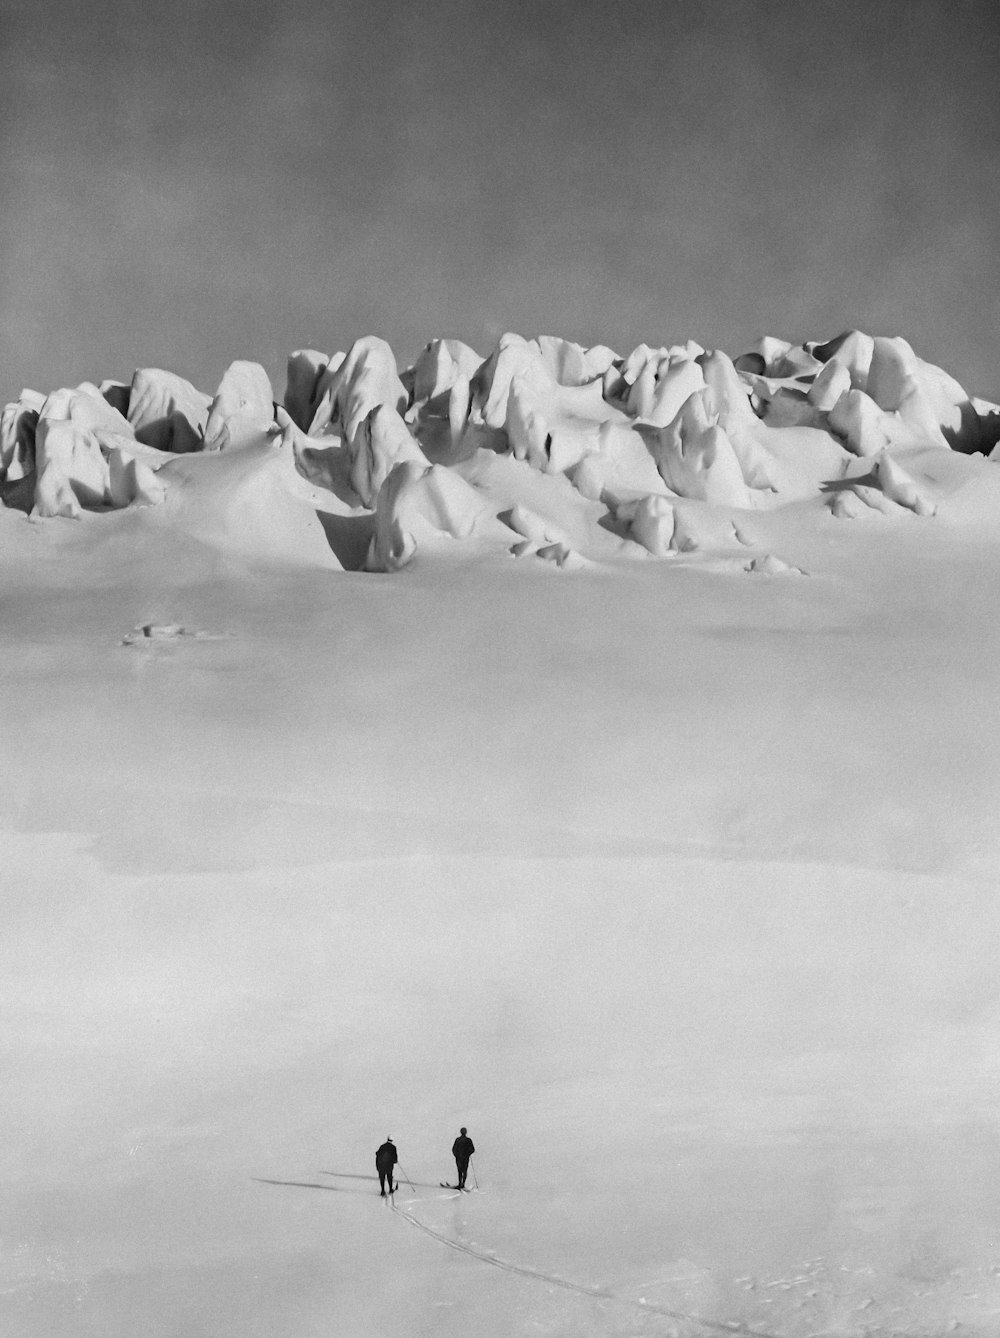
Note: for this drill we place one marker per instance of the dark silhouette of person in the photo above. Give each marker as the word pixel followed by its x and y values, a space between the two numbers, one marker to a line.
pixel 385 1160
pixel 462 1149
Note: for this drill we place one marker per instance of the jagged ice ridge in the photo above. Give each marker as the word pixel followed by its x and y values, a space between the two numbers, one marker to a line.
pixel 667 446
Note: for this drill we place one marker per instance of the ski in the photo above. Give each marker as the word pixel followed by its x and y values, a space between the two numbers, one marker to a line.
pixel 445 1185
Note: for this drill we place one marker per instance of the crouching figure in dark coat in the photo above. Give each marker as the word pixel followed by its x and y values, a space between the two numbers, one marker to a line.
pixel 462 1149
pixel 385 1160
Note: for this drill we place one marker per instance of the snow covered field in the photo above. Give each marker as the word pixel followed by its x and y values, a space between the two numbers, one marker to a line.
pixel 665 861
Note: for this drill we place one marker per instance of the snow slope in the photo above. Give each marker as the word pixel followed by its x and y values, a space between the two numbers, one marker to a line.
pixel 667 868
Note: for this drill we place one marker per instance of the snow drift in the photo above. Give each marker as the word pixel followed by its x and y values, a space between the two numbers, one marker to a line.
pixel 643 452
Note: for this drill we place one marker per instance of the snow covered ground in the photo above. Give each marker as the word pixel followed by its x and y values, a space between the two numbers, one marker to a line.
pixel 672 879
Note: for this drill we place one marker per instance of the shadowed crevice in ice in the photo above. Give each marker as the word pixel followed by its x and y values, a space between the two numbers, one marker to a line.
pixel 348 536
pixel 833 486
pixel 974 432
pixel 18 494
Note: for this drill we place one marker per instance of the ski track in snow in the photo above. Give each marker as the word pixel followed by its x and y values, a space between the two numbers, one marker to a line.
pixel 647 1307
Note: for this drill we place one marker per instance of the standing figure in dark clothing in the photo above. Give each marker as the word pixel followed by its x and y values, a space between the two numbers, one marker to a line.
pixel 385 1160
pixel 462 1149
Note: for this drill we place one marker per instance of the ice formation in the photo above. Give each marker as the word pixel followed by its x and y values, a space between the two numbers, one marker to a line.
pixel 418 498
pixel 166 411
pixel 582 453
pixel 243 407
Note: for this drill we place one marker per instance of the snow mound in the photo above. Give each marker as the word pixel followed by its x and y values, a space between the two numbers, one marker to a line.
pixel 538 432
pixel 652 522
pixel 899 482
pixel 417 501
pixel 533 527
pixel 248 502
pixel 665 526
pixel 860 500
pixel 150 633
pixel 770 565
pixel 542 537
pixel 150 636
pixel 562 556
pixel 696 458
pixel 620 466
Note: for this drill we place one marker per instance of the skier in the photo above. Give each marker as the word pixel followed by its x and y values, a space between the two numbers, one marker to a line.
pixel 462 1149
pixel 385 1160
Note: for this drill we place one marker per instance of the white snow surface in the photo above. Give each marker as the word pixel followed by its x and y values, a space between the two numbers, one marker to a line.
pixel 667 865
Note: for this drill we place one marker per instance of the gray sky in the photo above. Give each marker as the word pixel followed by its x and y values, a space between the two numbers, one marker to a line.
pixel 185 183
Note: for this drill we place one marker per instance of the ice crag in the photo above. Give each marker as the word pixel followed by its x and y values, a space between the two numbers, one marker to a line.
pixel 573 450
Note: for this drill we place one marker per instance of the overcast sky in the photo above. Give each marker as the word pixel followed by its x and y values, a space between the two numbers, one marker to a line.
pixel 184 184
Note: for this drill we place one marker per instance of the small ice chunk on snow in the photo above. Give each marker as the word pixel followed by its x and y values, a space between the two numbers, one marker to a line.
pixel 900 487
pixel 532 526
pixel 652 524
pixel 770 565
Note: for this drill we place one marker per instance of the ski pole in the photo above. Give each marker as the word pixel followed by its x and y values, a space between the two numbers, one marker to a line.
pixel 475 1178
pixel 406 1178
